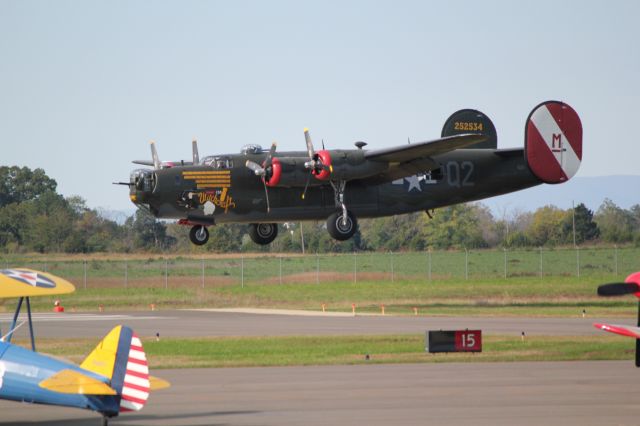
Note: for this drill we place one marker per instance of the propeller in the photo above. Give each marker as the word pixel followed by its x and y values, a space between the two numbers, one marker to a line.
pixel 194 148
pixel 315 163
pixel 154 155
pixel 256 168
pixel 265 171
pixel 157 164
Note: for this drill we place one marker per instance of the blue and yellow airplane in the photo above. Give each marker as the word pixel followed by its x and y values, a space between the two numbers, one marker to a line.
pixel 114 378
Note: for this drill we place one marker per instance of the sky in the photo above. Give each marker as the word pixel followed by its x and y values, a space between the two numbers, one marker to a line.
pixel 84 85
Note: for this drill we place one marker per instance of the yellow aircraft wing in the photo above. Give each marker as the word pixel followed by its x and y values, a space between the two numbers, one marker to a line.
pixel 70 381
pixel 23 282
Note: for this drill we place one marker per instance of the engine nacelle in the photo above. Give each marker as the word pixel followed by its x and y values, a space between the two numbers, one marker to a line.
pixel 345 165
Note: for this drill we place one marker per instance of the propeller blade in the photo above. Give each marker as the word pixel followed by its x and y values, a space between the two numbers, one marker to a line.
pixel 307 139
pixel 143 162
pixel 618 289
pixel 306 186
pixel 255 167
pixel 637 352
pixel 194 148
pixel 154 155
pixel 266 194
pixel 272 151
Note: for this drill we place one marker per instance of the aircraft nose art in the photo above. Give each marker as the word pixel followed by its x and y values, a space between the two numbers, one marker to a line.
pixel 553 142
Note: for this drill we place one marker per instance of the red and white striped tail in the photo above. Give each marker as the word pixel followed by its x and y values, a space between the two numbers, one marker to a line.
pixel 553 142
pixel 135 389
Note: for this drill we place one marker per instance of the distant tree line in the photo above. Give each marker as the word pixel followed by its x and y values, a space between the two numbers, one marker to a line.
pixel 34 217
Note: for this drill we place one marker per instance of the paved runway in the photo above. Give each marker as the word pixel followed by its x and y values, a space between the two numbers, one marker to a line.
pixel 191 323
pixel 548 393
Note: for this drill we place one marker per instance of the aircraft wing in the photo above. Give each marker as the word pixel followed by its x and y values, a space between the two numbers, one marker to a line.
pixel 410 159
pixel 410 152
pixel 623 330
pixel 71 381
pixel 23 282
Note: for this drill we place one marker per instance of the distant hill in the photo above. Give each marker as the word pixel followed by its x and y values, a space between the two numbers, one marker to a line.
pixel 118 216
pixel 622 190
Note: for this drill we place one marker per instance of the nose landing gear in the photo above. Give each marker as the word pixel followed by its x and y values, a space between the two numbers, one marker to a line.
pixel 199 235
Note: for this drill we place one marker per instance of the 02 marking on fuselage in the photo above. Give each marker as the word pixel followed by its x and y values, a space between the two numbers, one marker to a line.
pixel 460 174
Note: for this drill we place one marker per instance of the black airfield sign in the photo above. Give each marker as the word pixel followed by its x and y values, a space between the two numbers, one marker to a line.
pixel 454 341
pixel 265 187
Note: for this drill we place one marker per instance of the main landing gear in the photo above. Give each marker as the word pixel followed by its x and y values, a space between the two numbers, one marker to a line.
pixel 343 223
pixel 342 226
pixel 263 233
pixel 199 235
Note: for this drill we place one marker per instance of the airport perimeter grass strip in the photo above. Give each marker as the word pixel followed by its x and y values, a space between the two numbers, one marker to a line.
pixel 347 350
pixel 519 296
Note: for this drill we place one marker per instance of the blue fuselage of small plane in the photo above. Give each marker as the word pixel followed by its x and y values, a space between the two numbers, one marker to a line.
pixel 21 371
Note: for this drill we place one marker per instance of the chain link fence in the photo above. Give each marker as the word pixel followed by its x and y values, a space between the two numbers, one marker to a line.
pixel 165 272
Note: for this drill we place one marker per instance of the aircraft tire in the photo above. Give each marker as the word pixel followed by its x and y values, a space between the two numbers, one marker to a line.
pixel 339 231
pixel 199 235
pixel 263 233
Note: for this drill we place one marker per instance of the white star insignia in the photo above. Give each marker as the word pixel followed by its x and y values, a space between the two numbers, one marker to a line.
pixel 414 182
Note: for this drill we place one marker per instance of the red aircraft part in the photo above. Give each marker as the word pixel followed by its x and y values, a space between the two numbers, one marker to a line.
pixel 276 173
pixel 325 158
pixel 623 330
pixel 553 142
pixel 634 279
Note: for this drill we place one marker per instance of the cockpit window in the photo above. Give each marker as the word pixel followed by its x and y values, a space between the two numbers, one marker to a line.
pixel 251 149
pixel 218 162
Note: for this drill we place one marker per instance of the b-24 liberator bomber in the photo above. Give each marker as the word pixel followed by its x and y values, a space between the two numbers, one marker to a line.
pixel 265 187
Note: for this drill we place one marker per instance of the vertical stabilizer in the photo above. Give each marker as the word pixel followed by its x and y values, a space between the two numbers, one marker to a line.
pixel 121 358
pixel 553 142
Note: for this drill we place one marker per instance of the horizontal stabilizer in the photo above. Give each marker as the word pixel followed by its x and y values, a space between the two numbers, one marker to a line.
pixel 157 383
pixel 623 330
pixel 23 282
pixel 74 382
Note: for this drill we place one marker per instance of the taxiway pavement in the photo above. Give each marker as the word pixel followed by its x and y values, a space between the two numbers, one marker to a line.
pixel 540 393
pixel 198 323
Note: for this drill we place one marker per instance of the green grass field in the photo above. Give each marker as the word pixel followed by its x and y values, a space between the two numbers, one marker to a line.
pixel 326 350
pixel 518 296
pixel 440 283
pixel 257 268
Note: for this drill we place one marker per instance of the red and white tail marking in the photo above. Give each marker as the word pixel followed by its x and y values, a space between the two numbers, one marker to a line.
pixel 554 142
pixel 135 390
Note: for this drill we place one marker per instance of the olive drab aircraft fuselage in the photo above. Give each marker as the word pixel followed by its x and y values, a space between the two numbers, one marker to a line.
pixel 265 187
